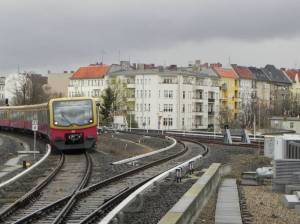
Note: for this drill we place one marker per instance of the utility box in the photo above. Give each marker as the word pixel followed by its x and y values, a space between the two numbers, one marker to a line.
pixel 269 146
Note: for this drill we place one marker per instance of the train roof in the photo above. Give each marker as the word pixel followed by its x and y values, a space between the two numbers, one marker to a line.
pixel 24 106
pixel 44 104
pixel 70 98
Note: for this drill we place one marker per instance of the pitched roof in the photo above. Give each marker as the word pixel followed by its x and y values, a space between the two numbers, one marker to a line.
pixel 243 72
pixel 259 74
pixel 225 72
pixel 91 72
pixel 276 75
pixel 292 73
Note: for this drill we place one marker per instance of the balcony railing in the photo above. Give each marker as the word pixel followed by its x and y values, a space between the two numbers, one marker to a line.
pixel 211 112
pixel 197 126
pixel 211 100
pixel 198 111
pixel 197 97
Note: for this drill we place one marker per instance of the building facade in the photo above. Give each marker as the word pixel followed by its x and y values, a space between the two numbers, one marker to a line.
pixel 172 98
pixel 247 86
pixel 88 81
pixel 58 83
pixel 263 87
pixel 229 91
pixel 286 123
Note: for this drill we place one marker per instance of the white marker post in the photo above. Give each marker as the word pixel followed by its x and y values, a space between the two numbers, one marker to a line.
pixel 34 129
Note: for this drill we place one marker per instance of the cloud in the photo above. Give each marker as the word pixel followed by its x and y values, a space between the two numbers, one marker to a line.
pixel 57 33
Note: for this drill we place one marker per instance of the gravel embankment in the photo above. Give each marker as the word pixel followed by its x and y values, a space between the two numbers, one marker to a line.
pixel 151 206
pixel 266 207
pixel 157 200
pixel 123 145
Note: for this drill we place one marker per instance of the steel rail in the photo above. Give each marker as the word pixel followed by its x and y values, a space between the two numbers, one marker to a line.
pixel 33 193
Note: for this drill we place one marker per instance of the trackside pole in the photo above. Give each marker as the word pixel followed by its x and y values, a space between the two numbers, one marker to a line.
pixel 34 144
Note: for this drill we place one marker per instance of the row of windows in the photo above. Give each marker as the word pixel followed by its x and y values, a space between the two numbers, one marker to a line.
pixel 168 121
pixel 143 81
pixel 168 107
pixel 88 82
pixel 42 115
pixel 140 107
pixel 143 93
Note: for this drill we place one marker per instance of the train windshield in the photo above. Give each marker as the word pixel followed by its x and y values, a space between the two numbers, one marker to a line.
pixel 72 112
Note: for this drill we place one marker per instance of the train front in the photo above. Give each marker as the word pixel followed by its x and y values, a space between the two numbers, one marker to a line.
pixel 73 123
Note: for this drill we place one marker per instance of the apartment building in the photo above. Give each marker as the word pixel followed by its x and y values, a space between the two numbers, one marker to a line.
pixel 280 84
pixel 263 86
pixel 247 85
pixel 172 98
pixel 229 90
pixel 88 81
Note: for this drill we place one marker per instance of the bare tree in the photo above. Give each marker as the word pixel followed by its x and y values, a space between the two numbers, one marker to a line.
pixel 29 89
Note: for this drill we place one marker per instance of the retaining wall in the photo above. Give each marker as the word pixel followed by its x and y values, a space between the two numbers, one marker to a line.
pixel 191 203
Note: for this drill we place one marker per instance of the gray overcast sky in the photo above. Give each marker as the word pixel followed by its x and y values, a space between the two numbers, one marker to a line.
pixel 64 34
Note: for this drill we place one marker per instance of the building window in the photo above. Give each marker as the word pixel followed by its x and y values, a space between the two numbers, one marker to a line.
pixel 149 107
pixel 183 95
pixel 183 108
pixel 183 122
pixel 165 122
pixel 149 93
pixel 148 121
pixel 168 94
pixel 170 121
pixel 168 107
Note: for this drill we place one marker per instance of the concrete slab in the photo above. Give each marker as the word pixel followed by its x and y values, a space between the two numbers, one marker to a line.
pixel 228 207
pixel 290 200
pixel 297 193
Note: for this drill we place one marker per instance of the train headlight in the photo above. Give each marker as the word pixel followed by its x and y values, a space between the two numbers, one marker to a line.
pixel 55 122
pixel 91 121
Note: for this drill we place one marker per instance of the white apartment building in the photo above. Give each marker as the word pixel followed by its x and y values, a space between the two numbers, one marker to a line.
pixel 247 85
pixel 177 98
pixel 88 81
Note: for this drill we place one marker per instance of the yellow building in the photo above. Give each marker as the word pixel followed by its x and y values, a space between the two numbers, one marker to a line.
pixel 229 92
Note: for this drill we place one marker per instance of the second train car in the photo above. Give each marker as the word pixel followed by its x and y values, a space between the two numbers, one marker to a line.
pixel 68 123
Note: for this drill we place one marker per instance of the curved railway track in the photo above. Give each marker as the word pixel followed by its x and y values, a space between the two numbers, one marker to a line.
pixel 71 174
pixel 66 198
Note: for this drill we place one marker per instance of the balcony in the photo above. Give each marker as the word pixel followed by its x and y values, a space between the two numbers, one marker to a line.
pixel 211 100
pixel 197 126
pixel 198 111
pixel 211 113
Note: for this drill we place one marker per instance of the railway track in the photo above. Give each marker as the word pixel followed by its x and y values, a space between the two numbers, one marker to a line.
pixel 71 174
pixel 88 211
pixel 66 198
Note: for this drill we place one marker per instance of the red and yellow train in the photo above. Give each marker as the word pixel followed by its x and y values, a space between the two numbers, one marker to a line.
pixel 68 123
